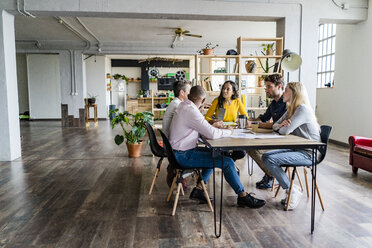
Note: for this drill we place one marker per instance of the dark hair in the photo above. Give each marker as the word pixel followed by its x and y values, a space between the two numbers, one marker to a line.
pixel 180 85
pixel 275 79
pixel 196 93
pixel 234 86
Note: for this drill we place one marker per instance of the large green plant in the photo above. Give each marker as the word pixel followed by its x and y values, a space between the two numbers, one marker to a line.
pixel 136 122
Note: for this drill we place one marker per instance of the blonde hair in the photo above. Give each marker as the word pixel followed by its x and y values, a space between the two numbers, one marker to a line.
pixel 299 96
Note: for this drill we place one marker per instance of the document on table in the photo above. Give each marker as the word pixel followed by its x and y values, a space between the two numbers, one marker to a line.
pixel 247 134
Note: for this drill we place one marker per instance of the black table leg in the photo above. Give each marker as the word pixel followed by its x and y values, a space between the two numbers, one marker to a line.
pixel 313 192
pixel 214 198
pixel 218 234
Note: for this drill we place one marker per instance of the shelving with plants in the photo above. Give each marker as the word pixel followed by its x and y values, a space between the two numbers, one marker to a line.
pixel 247 67
pixel 251 78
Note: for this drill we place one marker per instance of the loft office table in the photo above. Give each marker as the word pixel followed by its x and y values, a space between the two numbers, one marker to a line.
pixel 219 146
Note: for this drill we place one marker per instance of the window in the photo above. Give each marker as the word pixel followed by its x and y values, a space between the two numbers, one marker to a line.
pixel 326 55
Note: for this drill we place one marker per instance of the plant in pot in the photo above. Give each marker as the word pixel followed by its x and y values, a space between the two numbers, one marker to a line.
pixel 92 99
pixel 261 80
pixel 135 132
pixel 268 48
pixel 117 76
pixel 208 49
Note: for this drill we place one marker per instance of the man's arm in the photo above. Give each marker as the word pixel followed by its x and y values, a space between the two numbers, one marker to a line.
pixel 199 124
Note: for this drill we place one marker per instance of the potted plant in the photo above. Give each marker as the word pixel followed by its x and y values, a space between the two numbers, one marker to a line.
pixel 117 76
pixel 261 81
pixel 208 50
pixel 136 131
pixel 92 99
pixel 125 79
pixel 268 48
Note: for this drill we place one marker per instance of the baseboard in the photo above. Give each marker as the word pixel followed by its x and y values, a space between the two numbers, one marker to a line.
pixel 336 142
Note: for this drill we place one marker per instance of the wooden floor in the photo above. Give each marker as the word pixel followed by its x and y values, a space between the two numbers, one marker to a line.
pixel 76 188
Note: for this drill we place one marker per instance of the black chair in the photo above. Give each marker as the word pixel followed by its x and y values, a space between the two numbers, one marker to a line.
pixel 325 132
pixel 179 175
pixel 157 150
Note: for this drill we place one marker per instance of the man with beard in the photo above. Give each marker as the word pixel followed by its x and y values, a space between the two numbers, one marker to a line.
pixel 274 90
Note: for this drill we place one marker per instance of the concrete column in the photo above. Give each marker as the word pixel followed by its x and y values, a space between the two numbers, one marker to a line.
pixel 10 143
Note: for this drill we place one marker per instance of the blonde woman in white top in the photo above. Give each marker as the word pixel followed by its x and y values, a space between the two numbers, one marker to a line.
pixel 299 120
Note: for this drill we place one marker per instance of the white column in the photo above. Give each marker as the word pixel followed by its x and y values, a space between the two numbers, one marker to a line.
pixel 10 145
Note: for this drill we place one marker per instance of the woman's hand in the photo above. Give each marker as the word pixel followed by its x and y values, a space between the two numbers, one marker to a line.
pixel 285 123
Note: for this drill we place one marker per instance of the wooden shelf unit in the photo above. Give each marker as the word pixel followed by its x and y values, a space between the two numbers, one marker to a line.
pixel 239 70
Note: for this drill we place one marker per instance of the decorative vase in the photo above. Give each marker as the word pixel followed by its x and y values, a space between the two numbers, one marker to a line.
pixel 250 66
pixel 261 83
pixel 207 51
pixel 134 150
pixel 269 51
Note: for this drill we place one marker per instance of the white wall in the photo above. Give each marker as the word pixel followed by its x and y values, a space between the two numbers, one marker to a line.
pixel 347 106
pixel 96 83
pixel 22 83
pixel 107 70
pixel 44 86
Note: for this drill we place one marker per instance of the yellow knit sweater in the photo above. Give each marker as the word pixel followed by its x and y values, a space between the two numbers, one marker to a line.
pixel 231 112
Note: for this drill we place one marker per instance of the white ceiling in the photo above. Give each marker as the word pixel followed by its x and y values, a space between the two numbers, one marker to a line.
pixel 120 32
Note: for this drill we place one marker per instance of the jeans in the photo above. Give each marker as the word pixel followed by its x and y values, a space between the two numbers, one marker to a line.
pixel 202 158
pixel 274 159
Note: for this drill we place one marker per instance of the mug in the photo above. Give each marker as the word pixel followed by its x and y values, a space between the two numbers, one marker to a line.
pixel 254 126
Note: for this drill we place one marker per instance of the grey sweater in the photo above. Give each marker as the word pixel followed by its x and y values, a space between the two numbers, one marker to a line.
pixel 303 124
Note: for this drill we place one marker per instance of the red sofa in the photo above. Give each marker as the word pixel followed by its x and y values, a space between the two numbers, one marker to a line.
pixel 360 153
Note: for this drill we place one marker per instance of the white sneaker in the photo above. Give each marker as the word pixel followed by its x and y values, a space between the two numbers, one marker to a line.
pixel 295 197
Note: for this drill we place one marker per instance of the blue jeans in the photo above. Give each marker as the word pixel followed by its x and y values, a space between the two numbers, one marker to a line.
pixel 274 159
pixel 202 158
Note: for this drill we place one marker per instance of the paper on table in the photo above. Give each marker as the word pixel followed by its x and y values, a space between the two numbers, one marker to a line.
pixel 268 136
pixel 247 134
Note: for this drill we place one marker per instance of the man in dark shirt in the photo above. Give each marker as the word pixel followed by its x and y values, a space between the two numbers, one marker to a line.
pixel 274 90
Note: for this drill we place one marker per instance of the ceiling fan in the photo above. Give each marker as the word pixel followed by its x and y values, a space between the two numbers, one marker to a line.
pixel 179 33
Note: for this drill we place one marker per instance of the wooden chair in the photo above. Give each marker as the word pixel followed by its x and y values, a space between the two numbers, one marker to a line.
pixel 180 172
pixel 157 150
pixel 325 132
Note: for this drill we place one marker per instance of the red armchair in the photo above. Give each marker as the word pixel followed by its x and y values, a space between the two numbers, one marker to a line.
pixel 360 153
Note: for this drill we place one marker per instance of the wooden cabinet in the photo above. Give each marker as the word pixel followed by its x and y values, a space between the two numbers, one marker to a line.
pixel 234 68
pixel 142 104
pixel 132 106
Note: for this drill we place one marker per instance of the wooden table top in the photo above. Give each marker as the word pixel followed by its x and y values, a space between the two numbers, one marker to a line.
pixel 288 141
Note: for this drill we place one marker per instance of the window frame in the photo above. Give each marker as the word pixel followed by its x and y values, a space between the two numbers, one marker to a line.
pixel 326 55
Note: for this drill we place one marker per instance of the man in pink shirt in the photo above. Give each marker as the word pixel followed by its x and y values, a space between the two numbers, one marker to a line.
pixel 186 127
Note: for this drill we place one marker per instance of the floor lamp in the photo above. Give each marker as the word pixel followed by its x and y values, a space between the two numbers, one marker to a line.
pixel 290 61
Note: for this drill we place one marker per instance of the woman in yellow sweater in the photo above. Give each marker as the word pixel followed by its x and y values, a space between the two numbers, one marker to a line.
pixel 228 100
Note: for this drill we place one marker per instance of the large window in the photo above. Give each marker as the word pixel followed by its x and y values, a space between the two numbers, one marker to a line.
pixel 326 55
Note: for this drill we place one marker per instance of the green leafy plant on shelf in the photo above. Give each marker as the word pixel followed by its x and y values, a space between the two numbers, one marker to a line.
pixel 117 76
pixel 265 67
pixel 125 78
pixel 136 123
